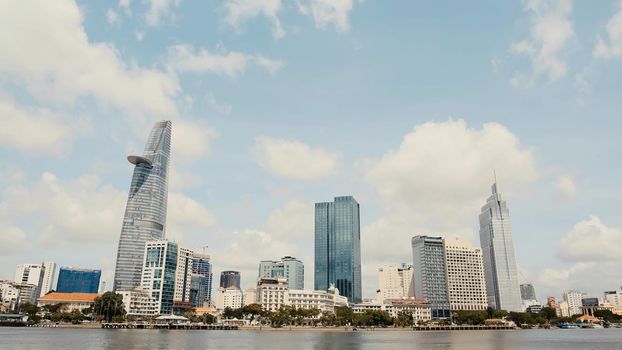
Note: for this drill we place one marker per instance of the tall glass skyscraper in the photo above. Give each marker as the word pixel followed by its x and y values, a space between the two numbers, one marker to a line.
pixel 338 247
pixel 201 265
pixel 430 274
pixel 77 280
pixel 495 234
pixel 145 212
pixel 288 267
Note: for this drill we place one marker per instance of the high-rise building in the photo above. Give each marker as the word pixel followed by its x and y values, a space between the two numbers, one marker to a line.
pixel 288 267
pixel 201 265
pixel 78 280
pixel 41 275
pixel 183 274
pixel 429 274
pixel 495 235
pixel 145 212
pixel 395 282
pixel 229 279
pixel 159 273
pixel 574 299
pixel 466 284
pixel 197 290
pixel 338 247
pixel 527 292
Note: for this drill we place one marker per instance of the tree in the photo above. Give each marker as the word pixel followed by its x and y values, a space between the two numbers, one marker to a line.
pixel 109 306
pixel 470 317
pixel 31 310
pixel 607 316
pixel 209 319
pixel 548 313
pixel 343 315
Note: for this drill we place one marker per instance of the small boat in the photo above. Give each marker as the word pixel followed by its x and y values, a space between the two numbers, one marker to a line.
pixel 569 326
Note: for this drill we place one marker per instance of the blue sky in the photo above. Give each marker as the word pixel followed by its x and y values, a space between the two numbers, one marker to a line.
pixel 276 104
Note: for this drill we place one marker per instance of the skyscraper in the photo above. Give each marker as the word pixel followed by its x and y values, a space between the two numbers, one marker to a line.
pixel 145 212
pixel 201 265
pixel 78 280
pixel 41 275
pixel 230 279
pixel 159 273
pixel 184 274
pixel 429 273
pixel 527 292
pixel 338 247
pixel 495 236
pixel 288 267
pixel 466 284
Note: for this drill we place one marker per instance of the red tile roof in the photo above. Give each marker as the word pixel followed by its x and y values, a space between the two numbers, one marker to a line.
pixel 68 297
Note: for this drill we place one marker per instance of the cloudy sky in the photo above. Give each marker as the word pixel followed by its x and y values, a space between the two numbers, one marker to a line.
pixel 277 104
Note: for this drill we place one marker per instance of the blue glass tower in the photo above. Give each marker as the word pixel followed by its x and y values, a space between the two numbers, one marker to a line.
pixel 201 265
pixel 145 212
pixel 76 280
pixel 338 247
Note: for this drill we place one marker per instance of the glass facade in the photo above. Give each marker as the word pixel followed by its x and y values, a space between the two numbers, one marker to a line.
pixel 230 279
pixel 145 212
pixel 527 292
pixel 430 275
pixel 495 236
pixel 197 290
pixel 159 273
pixel 201 265
pixel 75 280
pixel 338 247
pixel 288 267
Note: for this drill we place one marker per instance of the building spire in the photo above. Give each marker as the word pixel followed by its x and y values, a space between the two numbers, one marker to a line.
pixel 494 185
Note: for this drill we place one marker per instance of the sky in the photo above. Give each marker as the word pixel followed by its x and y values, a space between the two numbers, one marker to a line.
pixel 278 104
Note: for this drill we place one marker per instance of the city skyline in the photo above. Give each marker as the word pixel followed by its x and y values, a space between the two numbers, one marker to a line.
pixel 275 111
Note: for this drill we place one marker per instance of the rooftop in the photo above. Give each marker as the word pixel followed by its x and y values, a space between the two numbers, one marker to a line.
pixel 54 296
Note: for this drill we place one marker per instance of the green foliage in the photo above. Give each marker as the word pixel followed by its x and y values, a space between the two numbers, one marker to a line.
pixel 209 319
pixel 470 317
pixel 548 313
pixel 404 319
pixel 343 316
pixel 607 316
pixel 375 318
pixel 109 306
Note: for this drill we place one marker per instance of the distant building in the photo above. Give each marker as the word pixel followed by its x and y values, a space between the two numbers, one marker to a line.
pixel 574 298
pixel 228 297
pixel 183 275
pixel 139 303
pixel 325 301
pixel 420 310
pixel 70 301
pixel 15 294
pixel 395 282
pixel 250 296
pixel 430 278
pixel 41 275
pixel 338 247
pixel 201 264
pixel 563 309
pixel 614 298
pixel 288 267
pixel 534 309
pixel 230 279
pixel 197 290
pixel 527 292
pixel 78 280
pixel 145 212
pixel 590 305
pixel 498 251
pixel 159 273
pixel 272 293
pixel 466 284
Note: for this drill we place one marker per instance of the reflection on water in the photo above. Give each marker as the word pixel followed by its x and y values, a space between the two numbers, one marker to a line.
pixel 74 339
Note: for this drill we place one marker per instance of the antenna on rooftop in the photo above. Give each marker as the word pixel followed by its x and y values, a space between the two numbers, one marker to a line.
pixel 204 247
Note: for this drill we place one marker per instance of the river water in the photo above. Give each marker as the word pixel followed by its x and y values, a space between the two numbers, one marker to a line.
pixel 78 339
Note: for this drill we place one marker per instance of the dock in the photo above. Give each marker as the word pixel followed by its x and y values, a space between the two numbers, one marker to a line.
pixel 191 326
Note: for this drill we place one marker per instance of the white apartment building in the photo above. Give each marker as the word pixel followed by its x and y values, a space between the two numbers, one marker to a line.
pixel 138 302
pixel 466 284
pixel 159 273
pixel 563 309
pixel 614 298
pixel 41 275
pixel 325 301
pixel 183 274
pixel 228 297
pixel 395 282
pixel 272 293
pixel 250 296
pixel 419 309
pixel 575 301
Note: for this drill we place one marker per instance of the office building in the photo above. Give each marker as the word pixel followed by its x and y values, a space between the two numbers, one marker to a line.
pixel 395 282
pixel 288 267
pixel 201 264
pixel 159 273
pixel 466 284
pixel 183 275
pixel 429 274
pixel 574 299
pixel 614 298
pixel 230 279
pixel 145 211
pixel 250 296
pixel 230 297
pixel 500 269
pixel 139 303
pixel 527 292
pixel 338 247
pixel 197 290
pixel 42 275
pixel 78 280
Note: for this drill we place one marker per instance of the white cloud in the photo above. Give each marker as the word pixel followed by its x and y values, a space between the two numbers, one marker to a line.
pixel 295 219
pixel 294 159
pixel 13 240
pixel 220 108
pixel 46 50
pixel 180 179
pixel 191 139
pixel 186 214
pixel 591 241
pixel 614 33
pixel 125 6
pixel 183 58
pixel 112 17
pixel 139 35
pixel 565 188
pixel 36 130
pixel 159 10
pixel 239 11
pixel 550 32
pixel 327 12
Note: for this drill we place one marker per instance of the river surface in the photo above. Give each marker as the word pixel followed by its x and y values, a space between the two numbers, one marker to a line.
pixel 78 339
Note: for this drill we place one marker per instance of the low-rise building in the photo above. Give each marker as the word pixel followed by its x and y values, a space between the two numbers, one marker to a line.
pixel 272 293
pixel 138 302
pixel 589 305
pixel 419 309
pixel 325 301
pixel 70 301
pixel 228 297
